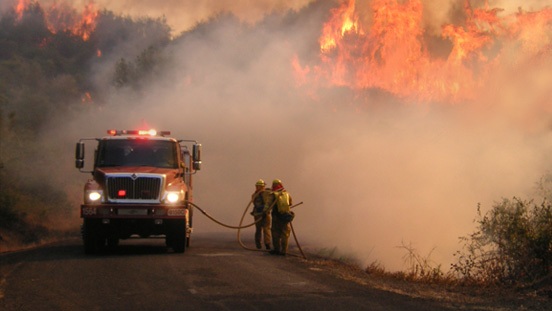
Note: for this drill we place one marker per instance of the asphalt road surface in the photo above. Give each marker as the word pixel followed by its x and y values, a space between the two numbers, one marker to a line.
pixel 214 274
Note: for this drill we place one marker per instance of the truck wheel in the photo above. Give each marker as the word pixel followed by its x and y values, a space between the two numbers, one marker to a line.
pixel 91 239
pixel 89 245
pixel 179 245
pixel 177 241
pixel 177 236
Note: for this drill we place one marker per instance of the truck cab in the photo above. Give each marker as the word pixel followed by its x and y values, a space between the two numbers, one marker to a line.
pixel 141 187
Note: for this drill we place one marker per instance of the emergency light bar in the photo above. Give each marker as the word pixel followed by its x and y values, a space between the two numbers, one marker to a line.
pixel 151 132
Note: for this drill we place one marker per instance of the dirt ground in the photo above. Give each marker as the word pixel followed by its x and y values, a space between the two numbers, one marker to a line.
pixel 537 297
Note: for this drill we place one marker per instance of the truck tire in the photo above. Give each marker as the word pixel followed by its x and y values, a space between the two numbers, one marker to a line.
pixel 179 245
pixel 92 241
pixel 177 237
pixel 89 245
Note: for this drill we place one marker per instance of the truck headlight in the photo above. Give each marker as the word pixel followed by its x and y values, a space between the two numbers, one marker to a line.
pixel 94 196
pixel 173 197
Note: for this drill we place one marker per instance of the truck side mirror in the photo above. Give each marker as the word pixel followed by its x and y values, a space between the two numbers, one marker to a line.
pixel 196 153
pixel 79 155
pixel 197 165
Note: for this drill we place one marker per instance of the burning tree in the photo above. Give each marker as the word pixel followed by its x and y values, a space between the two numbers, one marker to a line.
pixel 392 50
pixel 62 17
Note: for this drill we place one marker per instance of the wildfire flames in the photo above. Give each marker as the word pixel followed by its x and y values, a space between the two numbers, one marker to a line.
pixel 64 18
pixel 392 53
pixel 386 45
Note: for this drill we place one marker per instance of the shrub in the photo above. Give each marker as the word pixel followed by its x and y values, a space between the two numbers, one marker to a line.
pixel 420 268
pixel 512 244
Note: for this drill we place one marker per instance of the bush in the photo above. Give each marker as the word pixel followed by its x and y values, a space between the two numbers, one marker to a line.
pixel 512 244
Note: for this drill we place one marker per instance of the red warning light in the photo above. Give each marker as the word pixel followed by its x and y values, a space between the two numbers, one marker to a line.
pixel 147 132
pixel 150 132
pixel 122 193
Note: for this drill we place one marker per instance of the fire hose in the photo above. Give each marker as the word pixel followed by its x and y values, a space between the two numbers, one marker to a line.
pixel 249 225
pixel 262 250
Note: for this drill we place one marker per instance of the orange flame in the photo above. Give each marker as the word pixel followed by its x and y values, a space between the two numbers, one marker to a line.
pixel 343 21
pixel 64 18
pixel 20 7
pixel 86 98
pixel 88 22
pixel 392 54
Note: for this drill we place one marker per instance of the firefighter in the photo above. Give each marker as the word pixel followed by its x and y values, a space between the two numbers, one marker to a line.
pixel 281 218
pixel 262 217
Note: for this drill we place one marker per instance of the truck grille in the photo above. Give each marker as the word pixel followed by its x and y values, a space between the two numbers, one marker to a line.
pixel 128 188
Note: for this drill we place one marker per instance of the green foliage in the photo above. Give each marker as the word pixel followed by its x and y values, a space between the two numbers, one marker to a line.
pixel 134 74
pixel 123 35
pixel 512 244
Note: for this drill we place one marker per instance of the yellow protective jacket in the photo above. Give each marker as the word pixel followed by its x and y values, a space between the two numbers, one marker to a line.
pixel 260 200
pixel 283 201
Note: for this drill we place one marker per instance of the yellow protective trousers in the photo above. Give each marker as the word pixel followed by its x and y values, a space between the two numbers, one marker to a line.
pixel 280 235
pixel 262 229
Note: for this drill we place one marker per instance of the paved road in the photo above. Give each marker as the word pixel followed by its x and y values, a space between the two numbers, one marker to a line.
pixel 214 274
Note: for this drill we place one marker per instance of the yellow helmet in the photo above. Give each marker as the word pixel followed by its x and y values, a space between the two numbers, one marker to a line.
pixel 276 182
pixel 260 182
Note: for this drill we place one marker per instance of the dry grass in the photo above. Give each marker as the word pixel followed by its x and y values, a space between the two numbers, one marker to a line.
pixel 443 288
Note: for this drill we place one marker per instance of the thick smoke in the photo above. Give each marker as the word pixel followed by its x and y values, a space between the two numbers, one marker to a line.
pixel 374 172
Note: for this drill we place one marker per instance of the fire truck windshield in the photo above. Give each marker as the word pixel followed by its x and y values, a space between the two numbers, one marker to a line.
pixel 137 152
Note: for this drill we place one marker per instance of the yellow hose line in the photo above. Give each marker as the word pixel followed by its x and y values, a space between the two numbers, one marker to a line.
pixel 241 221
pixel 297 242
pixel 247 226
pixel 263 250
pixel 218 222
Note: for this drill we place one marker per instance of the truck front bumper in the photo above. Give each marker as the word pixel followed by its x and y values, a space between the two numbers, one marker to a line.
pixel 134 211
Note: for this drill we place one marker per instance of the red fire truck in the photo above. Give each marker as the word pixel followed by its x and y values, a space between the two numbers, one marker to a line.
pixel 140 187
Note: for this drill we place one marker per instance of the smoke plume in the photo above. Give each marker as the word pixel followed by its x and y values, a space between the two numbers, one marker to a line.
pixel 374 171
